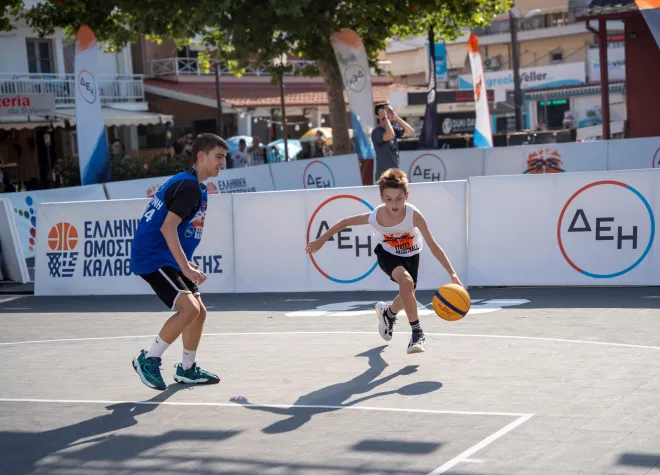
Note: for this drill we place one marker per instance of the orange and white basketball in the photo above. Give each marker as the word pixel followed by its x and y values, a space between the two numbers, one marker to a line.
pixel 451 302
pixel 62 237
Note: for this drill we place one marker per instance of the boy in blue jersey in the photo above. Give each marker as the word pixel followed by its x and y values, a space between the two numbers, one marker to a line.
pixel 166 238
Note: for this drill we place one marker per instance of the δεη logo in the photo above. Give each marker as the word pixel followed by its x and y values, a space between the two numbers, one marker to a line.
pixel 62 241
pixel 427 167
pixel 87 86
pixel 348 256
pixel 318 174
pixel 605 229
pixel 355 77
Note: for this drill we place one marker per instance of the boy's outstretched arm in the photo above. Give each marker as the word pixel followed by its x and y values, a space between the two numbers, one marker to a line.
pixel 420 222
pixel 356 220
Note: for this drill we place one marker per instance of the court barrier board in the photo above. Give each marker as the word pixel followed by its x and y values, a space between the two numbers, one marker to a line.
pixel 271 257
pixel 252 242
pixel 422 166
pixel 26 206
pixel 329 172
pixel 14 267
pixel 84 248
pixel 594 228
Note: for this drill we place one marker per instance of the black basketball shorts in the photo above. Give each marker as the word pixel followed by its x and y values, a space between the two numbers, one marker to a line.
pixel 169 284
pixel 388 262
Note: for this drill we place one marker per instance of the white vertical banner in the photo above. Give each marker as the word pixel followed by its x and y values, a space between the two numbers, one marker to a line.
pixel 483 136
pixel 93 153
pixel 354 68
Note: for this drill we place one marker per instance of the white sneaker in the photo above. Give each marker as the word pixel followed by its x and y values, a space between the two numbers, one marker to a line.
pixel 417 343
pixel 385 326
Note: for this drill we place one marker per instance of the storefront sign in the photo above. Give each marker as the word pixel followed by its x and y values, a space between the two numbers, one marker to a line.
pixel 541 76
pixel 616 64
pixel 454 124
pixel 13 105
pixel 452 96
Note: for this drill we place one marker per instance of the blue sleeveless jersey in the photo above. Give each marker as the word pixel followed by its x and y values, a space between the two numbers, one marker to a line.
pixel 149 250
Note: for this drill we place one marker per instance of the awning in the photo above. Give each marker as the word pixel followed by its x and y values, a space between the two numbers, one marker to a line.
pixel 111 117
pixel 456 56
pixel 566 91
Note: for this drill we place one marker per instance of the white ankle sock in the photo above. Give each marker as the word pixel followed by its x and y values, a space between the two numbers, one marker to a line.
pixel 188 359
pixel 157 348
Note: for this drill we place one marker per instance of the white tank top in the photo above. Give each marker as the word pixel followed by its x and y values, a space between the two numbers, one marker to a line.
pixel 404 239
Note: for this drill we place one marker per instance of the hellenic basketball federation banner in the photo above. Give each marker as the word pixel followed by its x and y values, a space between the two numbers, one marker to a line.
pixel 483 137
pixel 93 153
pixel 354 69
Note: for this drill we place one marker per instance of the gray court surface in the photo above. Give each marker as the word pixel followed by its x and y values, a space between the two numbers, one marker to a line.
pixel 532 381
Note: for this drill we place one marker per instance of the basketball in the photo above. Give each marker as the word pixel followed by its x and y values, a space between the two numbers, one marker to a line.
pixel 62 237
pixel 451 302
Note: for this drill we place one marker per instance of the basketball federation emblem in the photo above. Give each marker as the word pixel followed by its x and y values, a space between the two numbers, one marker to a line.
pixel 62 241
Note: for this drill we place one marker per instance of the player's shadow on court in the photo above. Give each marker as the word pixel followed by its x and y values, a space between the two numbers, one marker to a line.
pixel 334 397
pixel 91 439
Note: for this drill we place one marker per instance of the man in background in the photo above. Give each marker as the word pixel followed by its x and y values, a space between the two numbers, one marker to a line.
pixel 385 138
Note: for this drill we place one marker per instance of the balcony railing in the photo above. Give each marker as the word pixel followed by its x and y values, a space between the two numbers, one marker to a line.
pixel 112 89
pixel 547 19
pixel 191 67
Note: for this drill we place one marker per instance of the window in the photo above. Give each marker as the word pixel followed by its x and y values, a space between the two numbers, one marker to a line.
pixel 556 57
pixel 40 56
pixel 69 50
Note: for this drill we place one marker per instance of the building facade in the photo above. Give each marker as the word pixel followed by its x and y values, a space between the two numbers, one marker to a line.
pixel 32 145
pixel 559 67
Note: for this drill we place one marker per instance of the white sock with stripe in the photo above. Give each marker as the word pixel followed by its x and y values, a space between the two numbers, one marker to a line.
pixel 188 359
pixel 158 348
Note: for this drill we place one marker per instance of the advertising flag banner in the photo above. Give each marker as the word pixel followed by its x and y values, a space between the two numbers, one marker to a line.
pixel 483 137
pixel 93 153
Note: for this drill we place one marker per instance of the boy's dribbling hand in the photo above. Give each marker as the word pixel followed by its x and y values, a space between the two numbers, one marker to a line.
pixel 456 280
pixel 193 275
pixel 313 246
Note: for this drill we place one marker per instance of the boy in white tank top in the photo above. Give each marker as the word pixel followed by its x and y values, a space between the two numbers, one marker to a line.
pixel 401 231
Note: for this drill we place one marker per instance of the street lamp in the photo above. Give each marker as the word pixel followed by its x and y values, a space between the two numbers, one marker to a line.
pixel 514 19
pixel 280 63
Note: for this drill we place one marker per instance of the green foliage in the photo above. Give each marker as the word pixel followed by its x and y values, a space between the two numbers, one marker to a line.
pixel 8 9
pixel 128 169
pixel 241 30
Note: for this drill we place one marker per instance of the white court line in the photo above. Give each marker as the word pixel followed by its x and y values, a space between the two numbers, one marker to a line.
pixel 459 335
pixel 280 406
pixel 462 457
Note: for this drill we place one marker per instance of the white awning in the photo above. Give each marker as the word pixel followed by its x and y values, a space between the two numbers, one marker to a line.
pixel 456 56
pixel 111 117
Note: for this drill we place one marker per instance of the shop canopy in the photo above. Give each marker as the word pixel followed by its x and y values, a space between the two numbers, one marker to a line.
pixel 64 117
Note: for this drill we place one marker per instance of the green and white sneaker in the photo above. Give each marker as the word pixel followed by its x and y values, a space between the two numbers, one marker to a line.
pixel 194 375
pixel 149 371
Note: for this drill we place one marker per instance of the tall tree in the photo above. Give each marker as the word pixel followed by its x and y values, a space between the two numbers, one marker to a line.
pixel 238 31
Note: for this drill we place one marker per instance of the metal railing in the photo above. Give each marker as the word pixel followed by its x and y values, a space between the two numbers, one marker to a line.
pixel 191 67
pixel 549 18
pixel 112 89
